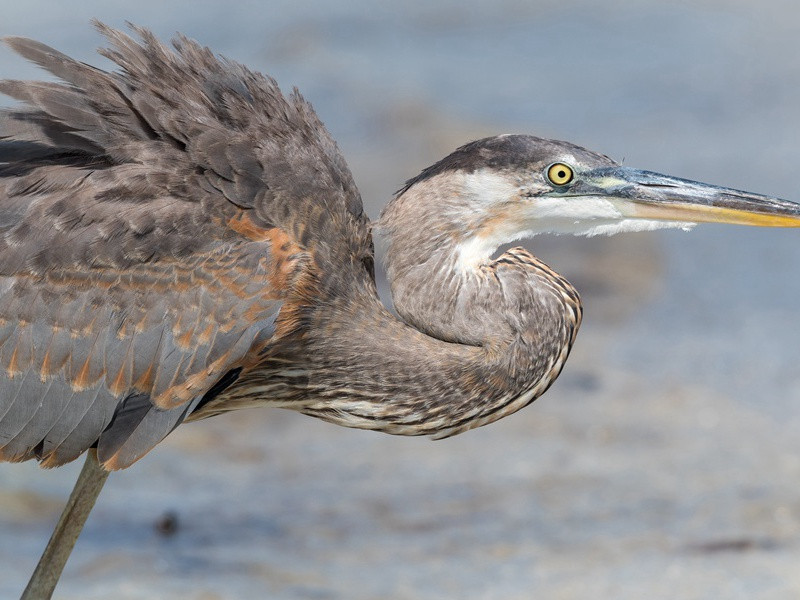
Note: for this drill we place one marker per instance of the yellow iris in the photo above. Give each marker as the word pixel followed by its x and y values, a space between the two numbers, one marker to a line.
pixel 560 174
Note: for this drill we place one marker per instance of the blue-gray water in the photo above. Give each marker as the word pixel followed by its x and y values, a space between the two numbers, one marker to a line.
pixel 663 464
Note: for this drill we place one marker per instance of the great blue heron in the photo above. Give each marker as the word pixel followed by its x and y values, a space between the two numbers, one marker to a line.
pixel 178 240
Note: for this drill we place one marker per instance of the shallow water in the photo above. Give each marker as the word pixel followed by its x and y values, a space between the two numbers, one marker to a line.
pixel 663 464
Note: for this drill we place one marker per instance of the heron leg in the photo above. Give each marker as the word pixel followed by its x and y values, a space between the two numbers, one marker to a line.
pixel 55 555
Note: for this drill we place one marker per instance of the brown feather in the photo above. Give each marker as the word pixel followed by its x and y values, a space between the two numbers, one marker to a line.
pixel 123 234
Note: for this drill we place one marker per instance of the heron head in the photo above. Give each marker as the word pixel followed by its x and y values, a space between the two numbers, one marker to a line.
pixel 510 187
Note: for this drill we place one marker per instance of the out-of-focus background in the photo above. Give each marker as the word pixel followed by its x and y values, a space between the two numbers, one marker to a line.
pixel 665 462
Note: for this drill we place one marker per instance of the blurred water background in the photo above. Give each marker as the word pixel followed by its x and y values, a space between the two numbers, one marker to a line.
pixel 664 463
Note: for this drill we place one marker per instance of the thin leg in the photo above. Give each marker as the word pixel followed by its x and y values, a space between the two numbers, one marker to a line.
pixel 55 555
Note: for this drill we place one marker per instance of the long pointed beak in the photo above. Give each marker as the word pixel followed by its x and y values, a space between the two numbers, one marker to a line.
pixel 647 195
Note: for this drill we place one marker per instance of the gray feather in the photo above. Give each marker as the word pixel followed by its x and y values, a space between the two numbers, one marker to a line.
pixel 100 405
pixel 21 425
pixel 137 426
pixel 121 277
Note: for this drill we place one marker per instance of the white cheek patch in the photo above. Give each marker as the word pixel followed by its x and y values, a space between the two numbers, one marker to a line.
pixel 483 189
pixel 487 187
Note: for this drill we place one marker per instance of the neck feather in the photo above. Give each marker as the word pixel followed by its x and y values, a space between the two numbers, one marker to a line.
pixel 476 340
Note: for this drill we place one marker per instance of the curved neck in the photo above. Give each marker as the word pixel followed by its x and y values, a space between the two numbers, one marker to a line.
pixel 487 344
pixel 476 341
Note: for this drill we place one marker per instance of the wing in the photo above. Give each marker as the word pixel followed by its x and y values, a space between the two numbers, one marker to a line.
pixel 153 222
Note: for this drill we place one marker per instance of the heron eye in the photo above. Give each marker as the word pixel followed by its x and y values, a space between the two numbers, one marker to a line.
pixel 559 174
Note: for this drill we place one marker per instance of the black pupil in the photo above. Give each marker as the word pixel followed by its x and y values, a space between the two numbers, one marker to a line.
pixel 562 174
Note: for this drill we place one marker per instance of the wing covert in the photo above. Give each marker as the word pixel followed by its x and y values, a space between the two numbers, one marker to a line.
pixel 153 221
pixel 123 357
